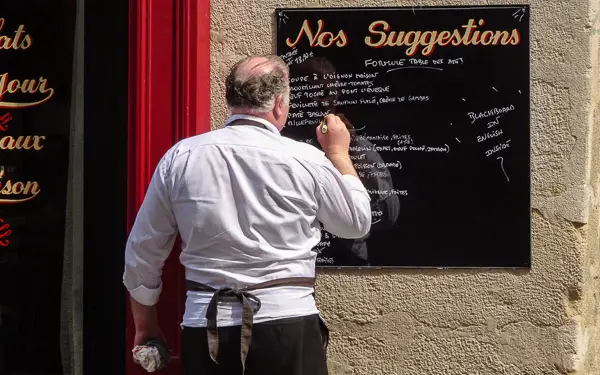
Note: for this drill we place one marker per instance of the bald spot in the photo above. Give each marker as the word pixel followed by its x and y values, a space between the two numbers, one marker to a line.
pixel 254 66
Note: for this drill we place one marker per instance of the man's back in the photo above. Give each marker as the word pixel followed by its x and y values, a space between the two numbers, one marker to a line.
pixel 247 203
pixel 244 200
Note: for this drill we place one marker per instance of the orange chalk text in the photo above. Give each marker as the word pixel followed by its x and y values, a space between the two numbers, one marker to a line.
pixel 381 34
pixel 320 38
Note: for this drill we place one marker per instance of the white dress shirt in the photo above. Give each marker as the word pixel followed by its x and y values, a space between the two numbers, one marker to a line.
pixel 247 203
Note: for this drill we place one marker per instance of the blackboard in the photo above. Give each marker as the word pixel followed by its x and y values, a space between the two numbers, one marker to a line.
pixel 437 100
pixel 36 64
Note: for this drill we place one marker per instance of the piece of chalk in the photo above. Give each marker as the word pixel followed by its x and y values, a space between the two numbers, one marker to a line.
pixel 323 127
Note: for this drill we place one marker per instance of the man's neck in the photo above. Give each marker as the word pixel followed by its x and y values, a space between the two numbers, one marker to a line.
pixel 265 116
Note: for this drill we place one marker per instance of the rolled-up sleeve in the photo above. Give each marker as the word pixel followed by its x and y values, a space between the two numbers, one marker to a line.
pixel 151 240
pixel 344 206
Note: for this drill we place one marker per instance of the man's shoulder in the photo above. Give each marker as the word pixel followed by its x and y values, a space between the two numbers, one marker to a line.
pixel 205 139
pixel 300 151
pixel 280 144
pixel 183 146
pixel 304 151
pixel 210 138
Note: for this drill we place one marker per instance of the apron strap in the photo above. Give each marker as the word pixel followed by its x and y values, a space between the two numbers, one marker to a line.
pixel 243 296
pixel 247 319
pixel 247 122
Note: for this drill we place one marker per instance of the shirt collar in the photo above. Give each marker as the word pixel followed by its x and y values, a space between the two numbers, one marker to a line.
pixel 266 123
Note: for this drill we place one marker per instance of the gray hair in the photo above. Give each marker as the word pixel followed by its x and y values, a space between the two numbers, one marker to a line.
pixel 257 88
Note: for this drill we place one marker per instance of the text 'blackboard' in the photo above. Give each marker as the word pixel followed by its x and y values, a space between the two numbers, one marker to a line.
pixel 437 100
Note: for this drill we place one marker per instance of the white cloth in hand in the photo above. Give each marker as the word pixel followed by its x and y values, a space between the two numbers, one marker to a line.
pixel 148 357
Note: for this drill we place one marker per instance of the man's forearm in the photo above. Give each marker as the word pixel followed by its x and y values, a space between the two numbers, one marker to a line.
pixel 343 163
pixel 144 317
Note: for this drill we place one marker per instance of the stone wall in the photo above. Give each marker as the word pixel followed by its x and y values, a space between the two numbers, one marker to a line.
pixel 477 322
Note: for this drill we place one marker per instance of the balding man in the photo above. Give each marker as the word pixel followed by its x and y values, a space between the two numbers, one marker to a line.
pixel 249 205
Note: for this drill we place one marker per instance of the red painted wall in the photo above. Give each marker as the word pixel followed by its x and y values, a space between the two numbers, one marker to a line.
pixel 169 99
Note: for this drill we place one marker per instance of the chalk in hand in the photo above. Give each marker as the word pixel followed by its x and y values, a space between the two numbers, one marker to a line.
pixel 323 126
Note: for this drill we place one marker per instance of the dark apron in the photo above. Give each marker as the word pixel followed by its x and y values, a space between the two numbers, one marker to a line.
pixel 244 296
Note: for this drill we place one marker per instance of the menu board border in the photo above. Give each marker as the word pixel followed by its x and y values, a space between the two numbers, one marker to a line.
pixel 279 12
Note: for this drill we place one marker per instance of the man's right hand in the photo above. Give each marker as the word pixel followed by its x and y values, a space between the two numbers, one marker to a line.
pixel 336 141
pixel 336 145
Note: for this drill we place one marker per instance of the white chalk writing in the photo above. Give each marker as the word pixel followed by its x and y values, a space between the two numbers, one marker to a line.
pixel 474 116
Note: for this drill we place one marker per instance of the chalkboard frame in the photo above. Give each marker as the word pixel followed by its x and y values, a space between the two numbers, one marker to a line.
pixel 525 263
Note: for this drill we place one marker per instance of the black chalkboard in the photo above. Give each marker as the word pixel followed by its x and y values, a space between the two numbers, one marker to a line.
pixel 437 100
pixel 36 65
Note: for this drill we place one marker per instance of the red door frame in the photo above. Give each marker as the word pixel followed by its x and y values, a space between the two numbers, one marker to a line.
pixel 169 99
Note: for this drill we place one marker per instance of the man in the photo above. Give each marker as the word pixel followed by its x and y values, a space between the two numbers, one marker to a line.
pixel 248 204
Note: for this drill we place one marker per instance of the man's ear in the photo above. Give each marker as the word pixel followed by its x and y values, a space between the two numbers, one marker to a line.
pixel 278 108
